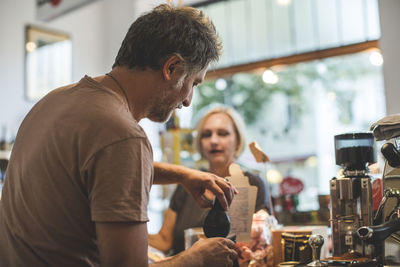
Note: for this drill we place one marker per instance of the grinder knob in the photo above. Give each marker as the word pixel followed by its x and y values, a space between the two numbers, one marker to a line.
pixel 316 242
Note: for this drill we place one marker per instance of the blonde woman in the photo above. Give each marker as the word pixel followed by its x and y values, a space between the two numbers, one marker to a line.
pixel 220 140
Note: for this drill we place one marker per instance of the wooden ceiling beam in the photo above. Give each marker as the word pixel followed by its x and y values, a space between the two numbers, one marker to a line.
pixel 308 56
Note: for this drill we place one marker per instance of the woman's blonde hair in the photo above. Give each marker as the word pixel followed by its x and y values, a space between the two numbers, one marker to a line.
pixel 238 125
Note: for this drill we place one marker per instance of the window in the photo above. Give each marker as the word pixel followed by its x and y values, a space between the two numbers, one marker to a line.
pixel 253 30
pixel 294 112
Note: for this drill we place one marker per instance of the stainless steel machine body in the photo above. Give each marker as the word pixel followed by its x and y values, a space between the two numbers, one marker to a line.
pixel 351 194
pixel 351 208
pixel 356 229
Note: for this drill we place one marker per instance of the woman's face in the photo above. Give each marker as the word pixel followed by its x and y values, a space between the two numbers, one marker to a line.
pixel 218 139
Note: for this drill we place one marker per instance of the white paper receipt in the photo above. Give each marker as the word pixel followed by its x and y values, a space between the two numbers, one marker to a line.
pixel 243 204
pixel 239 212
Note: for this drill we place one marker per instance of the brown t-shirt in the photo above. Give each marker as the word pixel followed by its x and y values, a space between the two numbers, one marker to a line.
pixel 79 158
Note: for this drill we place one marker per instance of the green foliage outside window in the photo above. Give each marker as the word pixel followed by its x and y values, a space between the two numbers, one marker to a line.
pixel 248 93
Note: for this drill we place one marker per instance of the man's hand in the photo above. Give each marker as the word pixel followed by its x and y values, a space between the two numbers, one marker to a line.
pixel 212 252
pixel 197 182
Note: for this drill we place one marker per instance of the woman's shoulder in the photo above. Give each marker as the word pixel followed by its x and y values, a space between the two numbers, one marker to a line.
pixel 251 175
pixel 180 191
pixel 254 179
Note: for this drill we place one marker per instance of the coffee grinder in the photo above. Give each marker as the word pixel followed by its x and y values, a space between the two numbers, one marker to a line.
pixel 351 197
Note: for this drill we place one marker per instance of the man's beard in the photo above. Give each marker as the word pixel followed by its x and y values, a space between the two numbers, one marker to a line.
pixel 160 113
pixel 164 106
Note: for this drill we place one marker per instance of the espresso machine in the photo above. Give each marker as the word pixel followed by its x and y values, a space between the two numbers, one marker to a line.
pixel 351 199
pixel 385 231
pixel 360 236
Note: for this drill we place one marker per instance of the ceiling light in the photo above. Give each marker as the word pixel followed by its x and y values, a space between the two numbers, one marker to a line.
pixel 321 68
pixel 376 58
pixel 312 161
pixel 274 177
pixel 270 77
pixel 284 2
pixel 331 95
pixel 221 84
pixel 30 46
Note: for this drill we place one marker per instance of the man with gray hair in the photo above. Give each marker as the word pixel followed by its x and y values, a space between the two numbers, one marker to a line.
pixel 79 176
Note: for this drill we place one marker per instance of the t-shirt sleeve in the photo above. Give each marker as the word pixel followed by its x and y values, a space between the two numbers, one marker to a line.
pixel 262 200
pixel 178 199
pixel 119 181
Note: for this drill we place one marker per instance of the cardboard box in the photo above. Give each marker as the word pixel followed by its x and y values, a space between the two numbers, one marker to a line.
pixel 277 239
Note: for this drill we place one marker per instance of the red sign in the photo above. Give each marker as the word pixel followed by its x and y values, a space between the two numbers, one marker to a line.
pixel 291 186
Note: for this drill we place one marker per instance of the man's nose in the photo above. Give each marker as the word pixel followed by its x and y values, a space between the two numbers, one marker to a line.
pixel 186 102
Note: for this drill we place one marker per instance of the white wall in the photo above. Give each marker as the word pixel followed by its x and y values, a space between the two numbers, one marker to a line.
pixel 85 27
pixel 116 22
pixel 13 17
pixel 389 12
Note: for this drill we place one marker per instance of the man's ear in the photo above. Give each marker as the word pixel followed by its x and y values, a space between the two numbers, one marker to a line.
pixel 171 65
